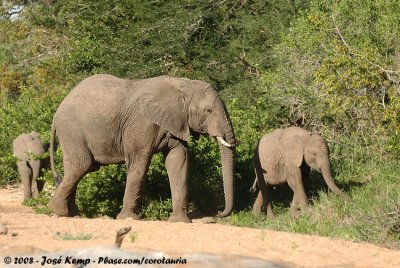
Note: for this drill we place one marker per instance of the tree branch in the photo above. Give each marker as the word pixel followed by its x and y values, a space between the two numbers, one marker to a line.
pixel 388 73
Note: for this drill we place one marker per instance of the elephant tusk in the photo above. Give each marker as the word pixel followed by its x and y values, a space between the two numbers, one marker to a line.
pixel 223 142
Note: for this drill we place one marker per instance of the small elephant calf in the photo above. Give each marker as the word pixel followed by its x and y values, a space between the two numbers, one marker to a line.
pixel 27 148
pixel 287 155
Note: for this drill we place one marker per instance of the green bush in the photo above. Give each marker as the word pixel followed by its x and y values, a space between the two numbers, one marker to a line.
pixel 157 210
pixel 100 193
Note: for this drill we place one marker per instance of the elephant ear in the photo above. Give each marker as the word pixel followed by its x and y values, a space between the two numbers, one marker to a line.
pixel 165 106
pixel 293 148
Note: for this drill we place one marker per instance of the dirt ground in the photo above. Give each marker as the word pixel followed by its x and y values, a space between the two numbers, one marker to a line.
pixel 29 233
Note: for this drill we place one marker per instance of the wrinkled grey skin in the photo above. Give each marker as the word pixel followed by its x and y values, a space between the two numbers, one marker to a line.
pixel 287 155
pixel 26 148
pixel 107 120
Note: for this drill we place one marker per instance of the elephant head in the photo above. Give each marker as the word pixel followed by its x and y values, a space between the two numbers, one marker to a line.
pixel 315 151
pixel 183 106
pixel 316 155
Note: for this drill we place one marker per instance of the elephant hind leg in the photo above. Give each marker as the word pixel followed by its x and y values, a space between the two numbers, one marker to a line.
pixel 264 195
pixel 63 201
pixel 258 204
pixel 264 198
pixel 72 208
pixel 25 172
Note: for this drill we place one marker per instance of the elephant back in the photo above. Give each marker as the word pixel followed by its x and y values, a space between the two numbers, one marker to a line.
pixel 290 132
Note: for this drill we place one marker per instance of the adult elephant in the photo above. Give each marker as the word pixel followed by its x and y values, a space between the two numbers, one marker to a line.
pixel 106 120
pixel 28 148
pixel 287 155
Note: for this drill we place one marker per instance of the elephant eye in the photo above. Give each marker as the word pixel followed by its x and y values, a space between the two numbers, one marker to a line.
pixel 209 111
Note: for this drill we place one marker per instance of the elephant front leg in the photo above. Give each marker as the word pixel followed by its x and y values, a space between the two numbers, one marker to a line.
pixel 26 177
pixel 176 163
pixel 299 196
pixel 136 173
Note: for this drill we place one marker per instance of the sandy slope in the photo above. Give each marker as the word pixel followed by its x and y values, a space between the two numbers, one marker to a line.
pixel 40 232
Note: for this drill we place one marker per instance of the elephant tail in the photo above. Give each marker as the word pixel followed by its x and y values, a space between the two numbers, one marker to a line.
pixel 257 169
pixel 53 148
pixel 253 188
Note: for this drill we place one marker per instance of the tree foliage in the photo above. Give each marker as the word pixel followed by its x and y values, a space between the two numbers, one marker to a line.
pixel 339 65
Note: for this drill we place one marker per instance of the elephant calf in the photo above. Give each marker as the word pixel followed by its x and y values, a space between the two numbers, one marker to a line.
pixel 287 155
pixel 27 148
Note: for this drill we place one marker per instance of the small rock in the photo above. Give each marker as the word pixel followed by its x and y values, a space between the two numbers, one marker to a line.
pixel 106 217
pixel 14 234
pixel 3 229
pixel 208 220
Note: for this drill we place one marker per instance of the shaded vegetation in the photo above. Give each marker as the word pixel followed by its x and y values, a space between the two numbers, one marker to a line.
pixel 329 66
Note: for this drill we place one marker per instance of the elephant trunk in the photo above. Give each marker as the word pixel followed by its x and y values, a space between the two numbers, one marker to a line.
pixel 326 173
pixel 227 159
pixel 227 150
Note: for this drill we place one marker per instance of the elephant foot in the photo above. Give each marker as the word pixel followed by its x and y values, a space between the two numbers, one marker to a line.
pixel 36 194
pixel 270 215
pixel 181 217
pixel 124 214
pixel 269 212
pixel 59 206
pixel 295 213
pixel 256 210
pixel 27 197
pixel 306 209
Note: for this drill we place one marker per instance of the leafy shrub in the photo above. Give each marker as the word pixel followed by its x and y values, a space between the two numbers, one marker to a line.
pixel 157 210
pixel 100 193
